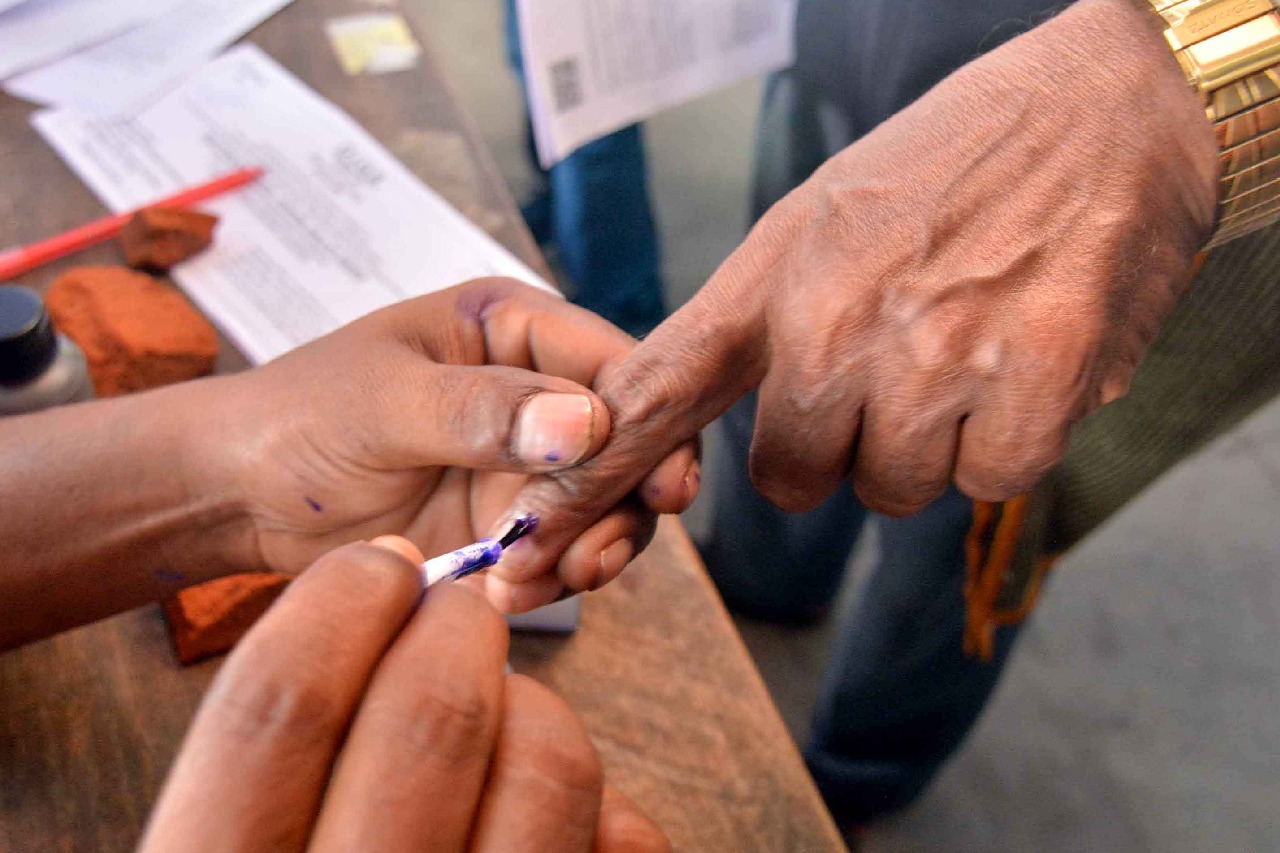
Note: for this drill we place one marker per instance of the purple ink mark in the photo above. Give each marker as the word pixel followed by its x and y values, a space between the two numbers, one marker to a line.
pixel 552 457
pixel 170 576
pixel 478 300
pixel 521 526
pixel 314 504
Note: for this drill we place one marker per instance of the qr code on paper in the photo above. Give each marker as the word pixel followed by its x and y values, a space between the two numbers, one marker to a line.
pixel 566 85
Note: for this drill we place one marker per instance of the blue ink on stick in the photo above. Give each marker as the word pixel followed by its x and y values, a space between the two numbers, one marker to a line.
pixel 478 555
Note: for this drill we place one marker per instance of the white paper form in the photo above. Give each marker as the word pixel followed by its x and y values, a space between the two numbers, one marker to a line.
pixel 593 66
pixel 35 32
pixel 335 229
pixel 118 75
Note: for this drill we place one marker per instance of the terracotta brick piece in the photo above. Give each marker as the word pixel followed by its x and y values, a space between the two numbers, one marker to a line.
pixel 160 238
pixel 210 619
pixel 136 332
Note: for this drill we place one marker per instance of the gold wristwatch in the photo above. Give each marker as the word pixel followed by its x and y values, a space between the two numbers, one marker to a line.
pixel 1230 52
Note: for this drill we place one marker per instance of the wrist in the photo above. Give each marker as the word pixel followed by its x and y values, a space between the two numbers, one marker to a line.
pixel 208 462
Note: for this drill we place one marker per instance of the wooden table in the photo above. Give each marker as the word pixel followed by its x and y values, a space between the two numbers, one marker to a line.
pixel 90 720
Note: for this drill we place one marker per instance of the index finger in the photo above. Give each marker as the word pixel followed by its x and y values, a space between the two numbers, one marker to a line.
pixel 255 763
pixel 679 379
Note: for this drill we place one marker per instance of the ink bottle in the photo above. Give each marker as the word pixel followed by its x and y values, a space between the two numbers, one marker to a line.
pixel 39 367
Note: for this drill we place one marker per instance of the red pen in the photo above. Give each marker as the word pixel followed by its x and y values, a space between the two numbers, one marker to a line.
pixel 16 261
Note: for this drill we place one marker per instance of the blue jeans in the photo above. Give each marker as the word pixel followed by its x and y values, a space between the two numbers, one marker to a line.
pixel 899 695
pixel 594 208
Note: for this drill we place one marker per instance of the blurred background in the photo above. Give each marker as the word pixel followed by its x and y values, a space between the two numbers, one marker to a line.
pixel 1142 711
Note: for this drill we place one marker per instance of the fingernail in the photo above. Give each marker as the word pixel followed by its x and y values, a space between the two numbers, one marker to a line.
pixel 554 429
pixel 613 560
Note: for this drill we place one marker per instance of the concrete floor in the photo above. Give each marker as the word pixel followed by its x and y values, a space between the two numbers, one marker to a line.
pixel 1142 712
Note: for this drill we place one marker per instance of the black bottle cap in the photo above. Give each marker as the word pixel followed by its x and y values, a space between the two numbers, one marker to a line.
pixel 28 343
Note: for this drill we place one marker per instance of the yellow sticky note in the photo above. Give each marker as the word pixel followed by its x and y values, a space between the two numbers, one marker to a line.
pixel 374 43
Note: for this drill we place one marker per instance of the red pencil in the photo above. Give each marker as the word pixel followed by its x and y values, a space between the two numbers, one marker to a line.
pixel 15 262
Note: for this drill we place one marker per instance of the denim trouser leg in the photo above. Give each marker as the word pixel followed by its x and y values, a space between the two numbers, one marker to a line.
pixel 597 212
pixel 602 224
pixel 899 694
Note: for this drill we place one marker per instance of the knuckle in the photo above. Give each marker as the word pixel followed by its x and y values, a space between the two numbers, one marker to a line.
pixel 277 705
pixel 448 720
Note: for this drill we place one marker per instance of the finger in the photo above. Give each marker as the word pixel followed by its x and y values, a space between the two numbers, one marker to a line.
pixel 539 331
pixel 414 764
pixel 910 427
pixel 253 768
pixel 673 486
pixel 1005 451
pixel 905 455
pixel 1019 430
pixel 589 558
pixel 808 412
pixel 607 547
pixel 623 828
pixel 545 784
pixel 512 597
pixel 683 376
pixel 490 418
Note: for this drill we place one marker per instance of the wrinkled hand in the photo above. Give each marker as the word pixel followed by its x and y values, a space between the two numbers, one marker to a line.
pixel 942 300
pixel 424 419
pixel 357 715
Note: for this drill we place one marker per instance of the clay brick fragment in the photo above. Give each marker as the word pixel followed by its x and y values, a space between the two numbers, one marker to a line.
pixel 210 619
pixel 160 238
pixel 136 332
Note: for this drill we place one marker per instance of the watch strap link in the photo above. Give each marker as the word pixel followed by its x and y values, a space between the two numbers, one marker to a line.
pixel 1229 51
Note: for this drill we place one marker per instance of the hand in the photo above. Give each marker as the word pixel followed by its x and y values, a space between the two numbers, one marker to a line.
pixel 940 301
pixel 424 419
pixel 358 715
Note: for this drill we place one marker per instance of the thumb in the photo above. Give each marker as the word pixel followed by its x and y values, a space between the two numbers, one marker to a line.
pixel 489 418
pixel 679 379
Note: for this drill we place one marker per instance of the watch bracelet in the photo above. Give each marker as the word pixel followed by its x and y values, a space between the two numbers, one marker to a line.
pixel 1229 51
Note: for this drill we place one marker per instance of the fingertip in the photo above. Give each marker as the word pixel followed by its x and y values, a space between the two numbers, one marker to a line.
pixel 673 486
pixel 624 828
pixel 613 560
pixel 513 598
pixel 399 545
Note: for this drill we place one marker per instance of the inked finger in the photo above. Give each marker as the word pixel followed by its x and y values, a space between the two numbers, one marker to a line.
pixel 672 385
pixel 673 486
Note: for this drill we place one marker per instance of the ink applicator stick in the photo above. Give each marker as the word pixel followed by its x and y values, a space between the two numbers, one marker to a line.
pixel 479 555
